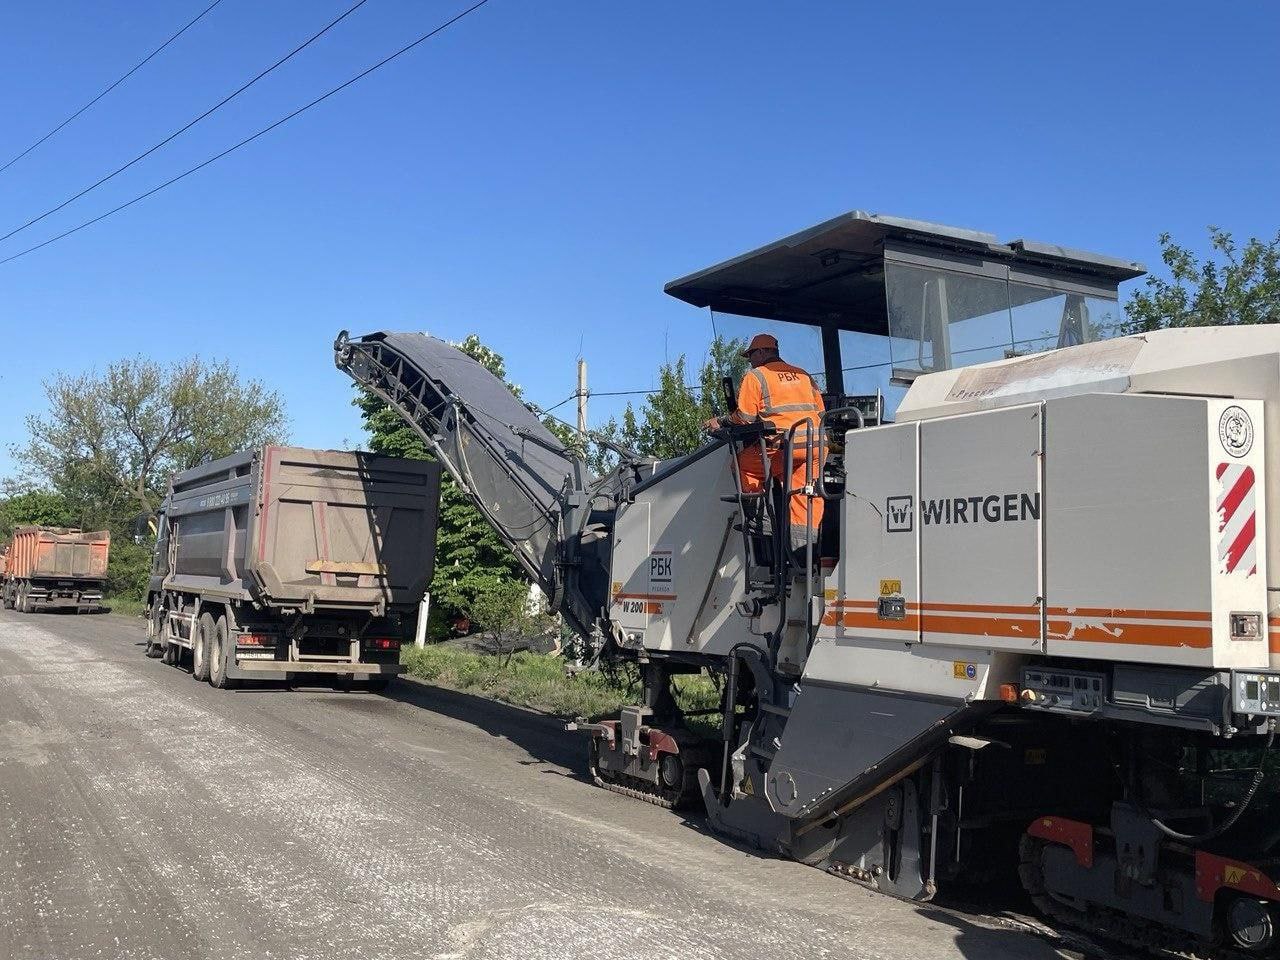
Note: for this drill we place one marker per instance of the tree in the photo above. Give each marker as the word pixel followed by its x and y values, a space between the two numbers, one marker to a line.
pixel 470 556
pixel 1232 285
pixel 503 611
pixel 669 423
pixel 42 508
pixel 110 443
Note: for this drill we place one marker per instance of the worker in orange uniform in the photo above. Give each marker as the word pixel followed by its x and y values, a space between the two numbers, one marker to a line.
pixel 785 395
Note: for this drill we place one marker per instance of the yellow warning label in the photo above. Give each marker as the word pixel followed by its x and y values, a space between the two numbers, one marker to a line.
pixel 617 586
pixel 889 588
pixel 829 594
pixel 1232 874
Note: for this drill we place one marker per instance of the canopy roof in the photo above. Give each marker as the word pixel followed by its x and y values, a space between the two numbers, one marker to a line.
pixel 833 274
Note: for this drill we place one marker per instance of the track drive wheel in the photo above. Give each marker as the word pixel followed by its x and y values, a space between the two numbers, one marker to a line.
pixel 200 648
pixel 1250 925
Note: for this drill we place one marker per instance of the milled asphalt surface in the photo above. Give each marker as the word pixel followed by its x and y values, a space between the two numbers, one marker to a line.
pixel 144 815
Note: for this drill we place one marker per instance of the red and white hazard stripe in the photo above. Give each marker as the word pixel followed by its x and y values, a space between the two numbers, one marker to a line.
pixel 1237 519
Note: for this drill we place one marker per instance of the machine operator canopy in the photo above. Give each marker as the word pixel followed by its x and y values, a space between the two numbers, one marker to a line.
pixel 864 298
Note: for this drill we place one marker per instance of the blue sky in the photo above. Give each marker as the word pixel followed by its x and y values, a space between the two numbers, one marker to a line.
pixel 536 173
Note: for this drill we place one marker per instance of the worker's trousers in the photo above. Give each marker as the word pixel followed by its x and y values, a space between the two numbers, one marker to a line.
pixel 754 470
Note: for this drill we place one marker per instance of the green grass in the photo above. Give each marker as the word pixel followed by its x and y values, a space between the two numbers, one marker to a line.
pixel 539 682
pixel 125 606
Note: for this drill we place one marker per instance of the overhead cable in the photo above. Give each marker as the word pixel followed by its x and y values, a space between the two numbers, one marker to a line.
pixel 134 69
pixel 247 140
pixel 191 123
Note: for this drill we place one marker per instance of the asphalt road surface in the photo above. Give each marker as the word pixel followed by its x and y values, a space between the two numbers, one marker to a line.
pixel 144 815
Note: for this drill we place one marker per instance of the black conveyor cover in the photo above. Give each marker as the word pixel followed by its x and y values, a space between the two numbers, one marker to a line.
pixel 513 467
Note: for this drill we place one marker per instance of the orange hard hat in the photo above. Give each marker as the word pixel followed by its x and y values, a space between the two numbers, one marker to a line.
pixel 761 341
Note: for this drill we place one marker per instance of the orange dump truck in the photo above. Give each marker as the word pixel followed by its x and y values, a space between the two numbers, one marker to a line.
pixel 54 567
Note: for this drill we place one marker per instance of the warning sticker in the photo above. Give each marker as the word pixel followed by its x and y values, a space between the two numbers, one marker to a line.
pixel 889 588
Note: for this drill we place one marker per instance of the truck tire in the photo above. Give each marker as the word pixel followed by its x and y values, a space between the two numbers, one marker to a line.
pixel 200 647
pixel 154 627
pixel 6 597
pixel 220 652
pixel 24 601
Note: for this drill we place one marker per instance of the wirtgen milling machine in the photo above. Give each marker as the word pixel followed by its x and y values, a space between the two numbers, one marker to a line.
pixel 1032 634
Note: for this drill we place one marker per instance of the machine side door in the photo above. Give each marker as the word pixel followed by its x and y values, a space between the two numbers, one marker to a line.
pixel 876 593
pixel 981 531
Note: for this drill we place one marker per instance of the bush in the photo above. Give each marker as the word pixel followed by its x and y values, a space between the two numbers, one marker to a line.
pixel 128 570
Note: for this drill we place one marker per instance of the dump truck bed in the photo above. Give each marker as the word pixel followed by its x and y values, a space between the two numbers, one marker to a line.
pixel 57 552
pixel 299 529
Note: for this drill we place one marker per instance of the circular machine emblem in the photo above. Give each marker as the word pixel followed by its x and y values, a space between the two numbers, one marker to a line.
pixel 1235 431
pixel 971 671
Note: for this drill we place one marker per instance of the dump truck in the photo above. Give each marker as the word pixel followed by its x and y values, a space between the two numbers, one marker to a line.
pixel 55 567
pixel 1034 635
pixel 283 562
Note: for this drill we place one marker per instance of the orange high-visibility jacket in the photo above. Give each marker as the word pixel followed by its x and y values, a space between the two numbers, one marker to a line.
pixel 782 394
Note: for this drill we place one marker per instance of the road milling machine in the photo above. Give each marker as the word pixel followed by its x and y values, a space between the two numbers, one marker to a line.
pixel 1032 635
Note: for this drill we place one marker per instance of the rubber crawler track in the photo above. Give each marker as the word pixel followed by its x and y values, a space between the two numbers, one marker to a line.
pixel 657 799
pixel 1109 925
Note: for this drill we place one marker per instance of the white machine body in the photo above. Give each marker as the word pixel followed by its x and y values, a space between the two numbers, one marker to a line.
pixel 1104 502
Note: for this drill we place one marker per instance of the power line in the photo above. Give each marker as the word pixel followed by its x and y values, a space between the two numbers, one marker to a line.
pixel 548 410
pixel 136 67
pixel 177 133
pixel 692 388
pixel 247 140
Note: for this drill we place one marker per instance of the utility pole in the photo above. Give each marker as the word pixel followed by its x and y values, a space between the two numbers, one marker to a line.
pixel 582 398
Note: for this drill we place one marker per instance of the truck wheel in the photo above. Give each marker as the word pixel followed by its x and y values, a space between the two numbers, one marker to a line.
pixel 24 601
pixel 200 647
pixel 155 629
pixel 7 598
pixel 220 651
pixel 378 682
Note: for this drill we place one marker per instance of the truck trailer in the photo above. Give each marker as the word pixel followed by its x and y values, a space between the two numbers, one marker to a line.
pixel 52 567
pixel 1034 634
pixel 282 562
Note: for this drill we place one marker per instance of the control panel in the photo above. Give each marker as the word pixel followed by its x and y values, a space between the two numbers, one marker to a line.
pixel 1256 693
pixel 1073 691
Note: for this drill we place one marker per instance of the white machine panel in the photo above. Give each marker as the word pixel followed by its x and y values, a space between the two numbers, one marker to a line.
pixel 979 514
pixel 1120 527
pixel 1155 530
pixel 677 562
pixel 878 597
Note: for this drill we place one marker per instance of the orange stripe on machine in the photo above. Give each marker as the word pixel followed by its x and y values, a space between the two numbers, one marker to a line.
pixel 1166 628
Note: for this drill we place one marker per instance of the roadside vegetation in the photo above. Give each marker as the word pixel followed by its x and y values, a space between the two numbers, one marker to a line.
pixel 101 454
pixel 540 682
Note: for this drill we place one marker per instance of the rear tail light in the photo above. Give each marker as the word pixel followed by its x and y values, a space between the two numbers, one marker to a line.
pixel 382 643
pixel 254 640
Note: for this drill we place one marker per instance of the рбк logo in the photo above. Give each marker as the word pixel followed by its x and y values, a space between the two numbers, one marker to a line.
pixel 899 514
